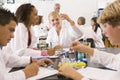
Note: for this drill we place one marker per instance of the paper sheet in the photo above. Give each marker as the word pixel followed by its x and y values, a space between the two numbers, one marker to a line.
pixel 96 74
pixel 44 72
pixel 89 72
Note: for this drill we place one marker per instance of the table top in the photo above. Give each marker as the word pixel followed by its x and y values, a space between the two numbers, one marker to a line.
pixel 110 50
pixel 71 55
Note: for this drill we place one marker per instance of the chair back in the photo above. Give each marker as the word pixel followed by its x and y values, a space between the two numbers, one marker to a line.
pixel 89 40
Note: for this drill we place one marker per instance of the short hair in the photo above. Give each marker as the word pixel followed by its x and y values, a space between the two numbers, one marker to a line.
pixel 57 7
pixel 6 16
pixel 53 13
pixel 82 20
pixel 57 4
pixel 111 14
pixel 23 13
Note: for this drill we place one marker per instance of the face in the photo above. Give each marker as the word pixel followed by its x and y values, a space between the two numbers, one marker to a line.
pixel 33 16
pixel 55 21
pixel 93 24
pixel 112 33
pixel 57 8
pixel 6 33
pixel 79 21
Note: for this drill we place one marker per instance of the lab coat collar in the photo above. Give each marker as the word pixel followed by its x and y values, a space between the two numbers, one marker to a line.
pixel 1 47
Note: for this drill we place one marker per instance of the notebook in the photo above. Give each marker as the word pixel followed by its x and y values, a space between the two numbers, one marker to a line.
pixel 44 72
pixel 96 73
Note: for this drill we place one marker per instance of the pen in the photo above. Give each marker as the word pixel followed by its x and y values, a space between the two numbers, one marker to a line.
pixel 38 58
pixel 50 44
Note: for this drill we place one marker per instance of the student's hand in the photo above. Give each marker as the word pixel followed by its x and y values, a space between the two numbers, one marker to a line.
pixel 31 70
pixel 66 17
pixel 58 47
pixel 51 51
pixel 44 62
pixel 68 71
pixel 76 45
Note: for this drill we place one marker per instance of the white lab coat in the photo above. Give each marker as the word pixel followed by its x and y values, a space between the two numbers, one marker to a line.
pixel 9 60
pixel 20 41
pixel 67 35
pixel 40 30
pixel 99 35
pixel 115 76
pixel 89 33
pixel 99 32
pixel 109 60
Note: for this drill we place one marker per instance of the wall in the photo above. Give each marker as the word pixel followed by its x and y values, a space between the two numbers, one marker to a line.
pixel 104 3
pixel 14 6
pixel 74 8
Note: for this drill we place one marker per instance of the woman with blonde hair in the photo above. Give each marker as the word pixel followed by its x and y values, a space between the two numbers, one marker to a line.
pixel 60 35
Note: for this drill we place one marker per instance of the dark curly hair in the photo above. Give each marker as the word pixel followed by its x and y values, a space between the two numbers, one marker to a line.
pixel 23 13
pixel 6 16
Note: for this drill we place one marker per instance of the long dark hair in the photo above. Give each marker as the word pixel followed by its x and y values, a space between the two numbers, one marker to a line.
pixel 96 24
pixel 23 13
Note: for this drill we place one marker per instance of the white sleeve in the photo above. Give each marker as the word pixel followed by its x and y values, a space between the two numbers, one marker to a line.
pixel 20 37
pixel 4 75
pixel 28 52
pixel 107 59
pixel 99 33
pixel 17 61
pixel 115 76
pixel 48 40
pixel 52 38
pixel 35 39
pixel 13 60
pixel 76 32
pixel 84 78
pixel 17 75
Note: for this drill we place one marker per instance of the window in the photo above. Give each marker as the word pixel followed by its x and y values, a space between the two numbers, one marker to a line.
pixel 0 2
pixel 10 1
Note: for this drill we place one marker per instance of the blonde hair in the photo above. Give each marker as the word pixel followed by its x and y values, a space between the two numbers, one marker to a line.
pixel 53 13
pixel 111 14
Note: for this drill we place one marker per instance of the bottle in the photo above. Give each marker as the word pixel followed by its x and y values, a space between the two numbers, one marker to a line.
pixel 42 43
pixel 47 46
pixel 80 56
pixel 43 46
pixel 45 32
pixel 85 41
